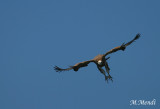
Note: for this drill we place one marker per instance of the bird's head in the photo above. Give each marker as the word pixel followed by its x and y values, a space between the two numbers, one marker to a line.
pixel 100 62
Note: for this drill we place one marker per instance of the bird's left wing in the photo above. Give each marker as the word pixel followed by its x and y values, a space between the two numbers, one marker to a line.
pixel 75 67
pixel 123 46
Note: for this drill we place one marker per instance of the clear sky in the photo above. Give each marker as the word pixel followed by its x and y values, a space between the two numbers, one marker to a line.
pixel 35 35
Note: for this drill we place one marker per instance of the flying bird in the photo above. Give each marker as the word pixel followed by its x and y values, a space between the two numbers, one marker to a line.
pixel 100 60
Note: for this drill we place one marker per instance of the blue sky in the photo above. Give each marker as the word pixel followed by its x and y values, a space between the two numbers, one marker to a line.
pixel 38 34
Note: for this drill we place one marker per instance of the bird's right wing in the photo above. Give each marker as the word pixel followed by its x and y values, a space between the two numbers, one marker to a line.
pixel 75 67
pixel 81 64
pixel 58 69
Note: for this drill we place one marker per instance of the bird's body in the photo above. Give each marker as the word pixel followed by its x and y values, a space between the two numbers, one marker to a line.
pixel 99 60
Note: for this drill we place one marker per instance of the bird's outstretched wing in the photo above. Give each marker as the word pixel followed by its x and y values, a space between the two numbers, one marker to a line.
pixel 57 69
pixel 136 37
pixel 75 67
pixel 123 46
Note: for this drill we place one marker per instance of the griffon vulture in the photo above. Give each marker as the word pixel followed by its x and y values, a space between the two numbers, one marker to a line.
pixel 99 60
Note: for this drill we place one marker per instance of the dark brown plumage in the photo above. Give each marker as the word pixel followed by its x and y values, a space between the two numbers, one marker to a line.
pixel 99 60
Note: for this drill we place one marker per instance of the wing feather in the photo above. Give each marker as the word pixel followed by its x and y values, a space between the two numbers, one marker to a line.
pixel 123 46
pixel 136 37
pixel 81 64
pixel 75 67
pixel 58 69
